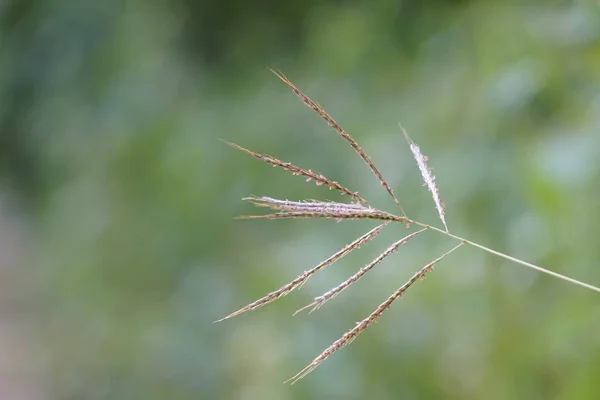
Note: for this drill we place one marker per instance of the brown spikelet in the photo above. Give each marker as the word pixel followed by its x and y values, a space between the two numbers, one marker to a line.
pixel 313 209
pixel 301 279
pixel 306 205
pixel 319 301
pixel 371 319
pixel 340 131
pixel 307 173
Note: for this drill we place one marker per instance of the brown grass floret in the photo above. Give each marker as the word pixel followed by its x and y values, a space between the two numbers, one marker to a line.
pixel 318 209
pixel 340 131
pixel 361 326
pixel 307 173
pixel 301 280
pixel 319 301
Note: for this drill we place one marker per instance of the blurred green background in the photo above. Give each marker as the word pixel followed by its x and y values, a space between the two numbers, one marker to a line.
pixel 118 247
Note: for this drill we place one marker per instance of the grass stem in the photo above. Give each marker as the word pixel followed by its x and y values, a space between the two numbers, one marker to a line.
pixel 510 258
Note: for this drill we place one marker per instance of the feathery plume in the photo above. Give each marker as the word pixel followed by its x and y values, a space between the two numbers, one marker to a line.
pixel 307 173
pixel 340 131
pixel 428 177
pixel 371 319
pixel 301 279
pixel 319 301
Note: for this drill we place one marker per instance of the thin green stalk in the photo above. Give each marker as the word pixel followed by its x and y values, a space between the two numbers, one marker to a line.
pixel 507 257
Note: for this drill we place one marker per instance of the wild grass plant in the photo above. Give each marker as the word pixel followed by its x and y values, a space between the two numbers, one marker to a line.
pixel 358 208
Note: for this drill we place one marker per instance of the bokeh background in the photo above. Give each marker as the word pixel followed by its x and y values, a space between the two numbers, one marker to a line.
pixel 118 247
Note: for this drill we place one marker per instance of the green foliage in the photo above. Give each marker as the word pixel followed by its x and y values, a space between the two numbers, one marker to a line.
pixel 119 198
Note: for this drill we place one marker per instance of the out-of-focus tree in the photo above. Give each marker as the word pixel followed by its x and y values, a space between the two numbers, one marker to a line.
pixel 117 198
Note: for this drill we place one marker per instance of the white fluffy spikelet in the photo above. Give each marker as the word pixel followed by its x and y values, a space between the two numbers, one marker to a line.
pixel 428 177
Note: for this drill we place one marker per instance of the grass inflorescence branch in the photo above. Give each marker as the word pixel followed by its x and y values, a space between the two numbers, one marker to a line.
pixel 359 209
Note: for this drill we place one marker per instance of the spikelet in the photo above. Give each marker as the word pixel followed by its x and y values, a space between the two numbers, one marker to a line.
pixel 301 280
pixel 319 301
pixel 307 173
pixel 361 326
pixel 319 209
pixel 320 111
pixel 428 177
